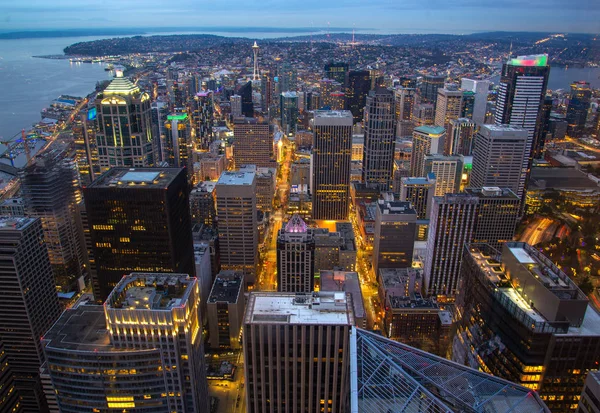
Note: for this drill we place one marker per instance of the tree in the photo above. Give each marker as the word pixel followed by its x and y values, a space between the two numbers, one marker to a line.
pixel 586 285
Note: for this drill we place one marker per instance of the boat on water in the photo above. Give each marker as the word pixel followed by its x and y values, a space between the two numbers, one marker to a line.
pixel 109 67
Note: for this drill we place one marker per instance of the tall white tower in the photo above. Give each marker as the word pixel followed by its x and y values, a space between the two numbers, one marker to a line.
pixel 255 51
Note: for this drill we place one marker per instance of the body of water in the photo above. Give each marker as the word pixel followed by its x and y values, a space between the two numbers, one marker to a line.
pixel 29 84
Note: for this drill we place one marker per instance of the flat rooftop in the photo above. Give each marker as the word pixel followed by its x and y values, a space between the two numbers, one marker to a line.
pixel 204 187
pixel 227 287
pixel 492 192
pixel 323 308
pixel 82 328
pixel 136 178
pixel 348 282
pixel 236 178
pixel 560 178
pixel 396 207
pixel 414 301
pixel 150 291
pixel 11 223
pixel 504 128
pixel 344 114
pixel 430 130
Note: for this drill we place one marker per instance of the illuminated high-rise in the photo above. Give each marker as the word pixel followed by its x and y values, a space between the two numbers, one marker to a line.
pixel 124 136
pixel 429 87
pixel 28 307
pixel 520 98
pixel 289 112
pixel 481 89
pixel 447 171
pixel 140 221
pixel 394 236
pixel 332 151
pixel 460 137
pixel 178 145
pixel 579 104
pixel 380 139
pixel 426 140
pixel 295 257
pixel 337 72
pixel 405 103
pixel 141 351
pixel 419 191
pixel 448 107
pixel 253 144
pixel 202 113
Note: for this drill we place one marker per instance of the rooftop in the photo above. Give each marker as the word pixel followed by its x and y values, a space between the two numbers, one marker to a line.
pixel 204 186
pixel 531 60
pixel 491 192
pixel 414 301
pixel 348 282
pixel 13 222
pixel 136 178
pixel 121 86
pixel 503 128
pixel 333 114
pixel 431 130
pixel 227 287
pixel 395 207
pixel 560 178
pixel 323 308
pixel 150 291
pixel 236 178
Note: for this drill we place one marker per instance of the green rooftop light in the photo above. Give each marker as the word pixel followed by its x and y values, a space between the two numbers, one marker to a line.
pixel 533 60
pixel 181 116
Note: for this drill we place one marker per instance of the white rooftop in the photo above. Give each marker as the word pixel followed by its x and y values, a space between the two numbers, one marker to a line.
pixel 236 178
pixel 139 176
pixel 288 308
pixel 522 255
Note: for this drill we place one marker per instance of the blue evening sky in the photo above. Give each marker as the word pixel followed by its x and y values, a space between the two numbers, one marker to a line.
pixel 383 16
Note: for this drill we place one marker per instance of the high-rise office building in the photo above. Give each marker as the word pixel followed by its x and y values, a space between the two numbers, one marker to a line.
pixel 236 106
pixel 497 215
pixel 579 104
pixel 451 226
pixel 359 84
pixel 331 156
pixel 419 192
pixel 178 145
pixel 405 104
pixel 481 89
pixel 202 204
pixel 225 308
pixel 327 87
pixel 141 351
pixel 266 91
pixel 245 92
pixel 520 98
pixel 429 87
pixel 447 171
pixel 202 113
pixel 448 107
pixel 124 136
pixel 468 104
pixel 380 139
pixel 423 114
pixel 236 213
pixel 337 71
pixel 461 137
pixel 499 153
pixel 426 140
pixel 297 352
pixel 139 221
pixel 289 112
pixel 295 257
pixel 287 78
pixel 252 142
pixel 590 396
pixel 28 304
pixel 394 236
pixel 524 319
pixel 50 190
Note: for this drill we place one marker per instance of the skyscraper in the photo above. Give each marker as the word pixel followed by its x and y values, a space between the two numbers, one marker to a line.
pixel 448 107
pixel 287 78
pixel 337 71
pixel 461 137
pixel 140 221
pixel 405 103
pixel 332 151
pixel 451 226
pixel 178 145
pixel 50 189
pixel 236 106
pixel 202 112
pixel 236 213
pixel 429 87
pixel 289 112
pixel 245 91
pixel 140 351
pixel 359 84
pixel 520 98
pixel 124 137
pixel 328 87
pixel 380 139
pixel 579 104
pixel 419 192
pixel 297 352
pixel 426 140
pixel 481 89
pixel 394 236
pixel 525 320
pixel 225 307
pixel 497 215
pixel 447 171
pixel 252 142
pixel 295 257
pixel 423 114
pixel 28 305
pixel 498 158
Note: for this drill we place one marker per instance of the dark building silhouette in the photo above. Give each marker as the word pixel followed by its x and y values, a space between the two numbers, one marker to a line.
pixel 579 103
pixel 247 106
pixel 359 84
pixel 337 71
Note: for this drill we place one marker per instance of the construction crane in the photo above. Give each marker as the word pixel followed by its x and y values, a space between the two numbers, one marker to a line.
pixel 13 143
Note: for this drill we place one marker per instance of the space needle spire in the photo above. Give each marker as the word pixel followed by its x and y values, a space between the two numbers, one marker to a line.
pixel 255 51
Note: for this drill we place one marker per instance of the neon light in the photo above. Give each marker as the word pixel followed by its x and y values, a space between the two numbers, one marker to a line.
pixel 91 115
pixel 182 116
pixel 533 60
